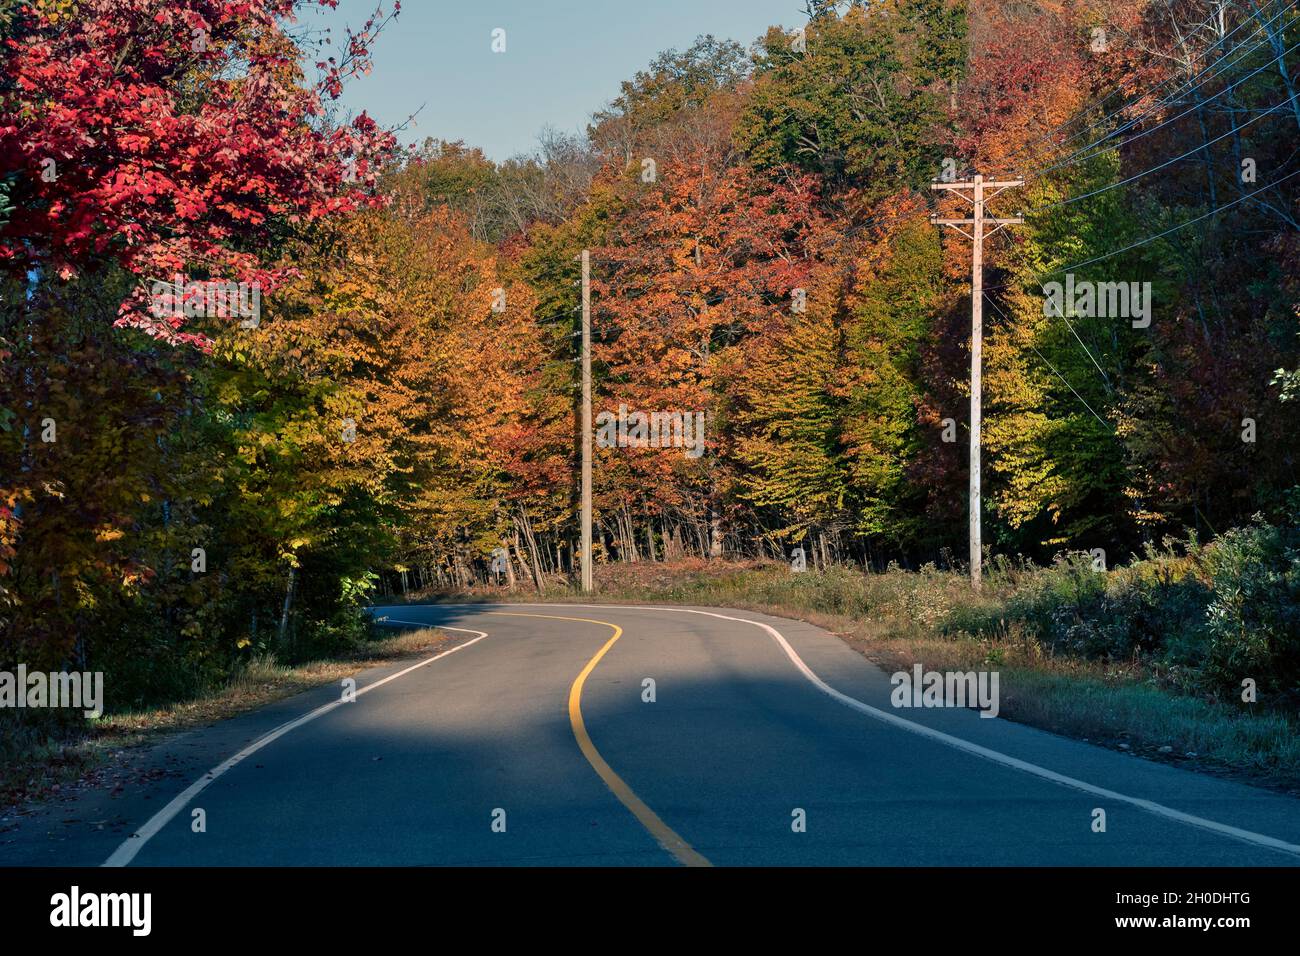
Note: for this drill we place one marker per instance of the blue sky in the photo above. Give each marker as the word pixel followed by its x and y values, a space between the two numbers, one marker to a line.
pixel 564 59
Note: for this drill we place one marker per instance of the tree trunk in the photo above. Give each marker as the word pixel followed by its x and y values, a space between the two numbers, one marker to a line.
pixel 288 603
pixel 510 567
pixel 673 543
pixel 629 535
pixel 527 559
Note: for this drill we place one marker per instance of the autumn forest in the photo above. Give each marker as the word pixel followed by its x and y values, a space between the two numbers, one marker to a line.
pixel 184 483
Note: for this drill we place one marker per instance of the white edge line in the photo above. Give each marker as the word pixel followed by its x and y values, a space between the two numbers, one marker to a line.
pixel 133 844
pixel 1150 806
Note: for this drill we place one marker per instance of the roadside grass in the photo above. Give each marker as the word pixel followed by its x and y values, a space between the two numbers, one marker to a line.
pixel 43 752
pixel 900 618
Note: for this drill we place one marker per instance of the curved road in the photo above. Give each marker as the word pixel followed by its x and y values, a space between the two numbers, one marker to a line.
pixel 532 743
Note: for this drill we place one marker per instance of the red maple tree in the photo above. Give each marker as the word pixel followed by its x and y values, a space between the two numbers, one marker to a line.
pixel 173 138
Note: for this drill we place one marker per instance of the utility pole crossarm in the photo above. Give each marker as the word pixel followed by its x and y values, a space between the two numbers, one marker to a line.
pixel 1013 221
pixel 999 185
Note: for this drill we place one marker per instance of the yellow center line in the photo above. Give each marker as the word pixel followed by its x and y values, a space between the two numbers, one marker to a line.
pixel 668 838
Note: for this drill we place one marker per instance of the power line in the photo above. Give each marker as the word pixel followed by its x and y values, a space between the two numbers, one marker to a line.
pixel 1188 85
pixel 1103 421
pixel 1138 98
pixel 1105 424
pixel 1087 351
pixel 1077 157
pixel 1146 172
pixel 1235 56
pixel 1172 229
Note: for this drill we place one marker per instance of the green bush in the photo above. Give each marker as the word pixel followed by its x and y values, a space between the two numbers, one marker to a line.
pixel 344 632
pixel 1253 618
pixel 1205 620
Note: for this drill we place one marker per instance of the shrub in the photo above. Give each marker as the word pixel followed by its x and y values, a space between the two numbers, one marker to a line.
pixel 1253 618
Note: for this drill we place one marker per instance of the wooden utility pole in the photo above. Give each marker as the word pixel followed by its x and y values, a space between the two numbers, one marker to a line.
pixel 977 235
pixel 586 421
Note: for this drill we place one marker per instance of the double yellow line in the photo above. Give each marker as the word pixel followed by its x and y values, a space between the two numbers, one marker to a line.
pixel 667 838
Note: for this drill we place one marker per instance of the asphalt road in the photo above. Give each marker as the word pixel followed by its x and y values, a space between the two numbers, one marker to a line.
pixel 532 743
